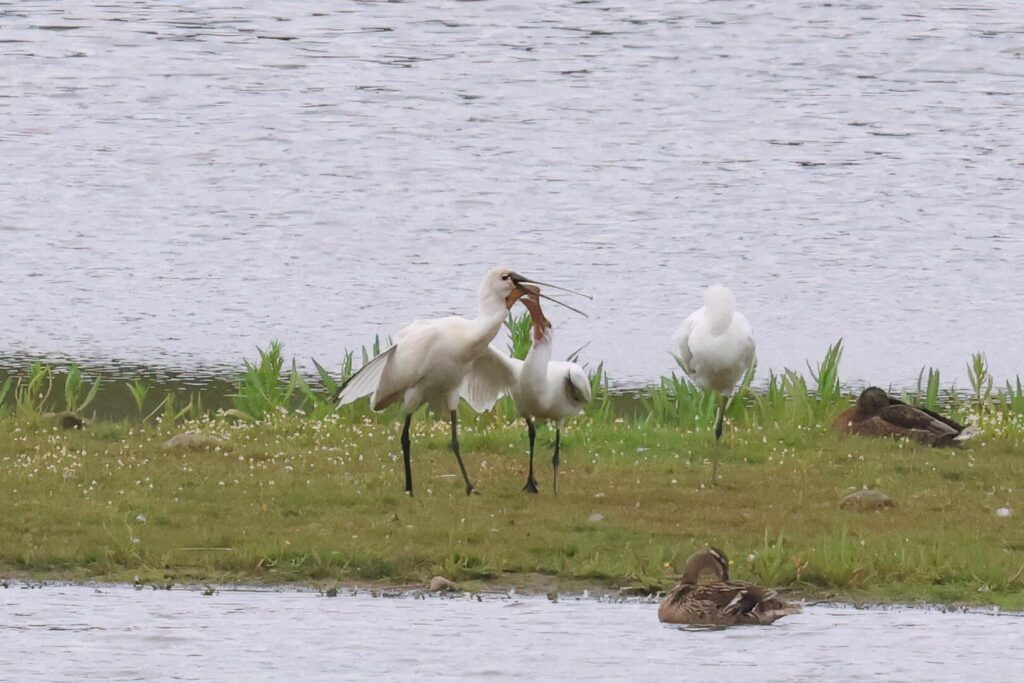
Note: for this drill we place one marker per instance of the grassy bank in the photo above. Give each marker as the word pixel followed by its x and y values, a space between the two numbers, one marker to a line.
pixel 296 490
pixel 296 499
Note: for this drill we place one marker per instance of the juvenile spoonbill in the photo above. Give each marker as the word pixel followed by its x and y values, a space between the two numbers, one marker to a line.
pixel 715 349
pixel 545 389
pixel 878 414
pixel 435 361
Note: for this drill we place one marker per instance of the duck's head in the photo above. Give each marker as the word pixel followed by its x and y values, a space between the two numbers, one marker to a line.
pixel 708 560
pixel 872 401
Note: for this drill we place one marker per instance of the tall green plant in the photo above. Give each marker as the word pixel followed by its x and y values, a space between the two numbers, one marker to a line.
pixel 601 407
pixel 520 340
pixel 981 382
pixel 927 395
pixel 33 391
pixel 77 396
pixel 263 388
pixel 138 389
pixel 5 389
pixel 1014 396
pixel 828 392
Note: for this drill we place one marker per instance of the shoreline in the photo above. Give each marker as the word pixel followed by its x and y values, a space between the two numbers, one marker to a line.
pixel 485 592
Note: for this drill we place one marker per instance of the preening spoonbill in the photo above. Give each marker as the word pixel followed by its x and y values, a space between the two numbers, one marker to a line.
pixel 878 414
pixel 715 349
pixel 545 389
pixel 436 361
pixel 719 601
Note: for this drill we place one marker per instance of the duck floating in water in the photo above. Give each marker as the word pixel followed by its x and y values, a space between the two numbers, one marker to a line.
pixel 719 601
pixel 878 414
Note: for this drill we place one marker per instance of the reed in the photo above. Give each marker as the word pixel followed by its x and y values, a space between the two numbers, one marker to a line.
pixel 32 392
pixel 138 390
pixel 263 387
pixel 77 394
pixel 520 339
pixel 273 385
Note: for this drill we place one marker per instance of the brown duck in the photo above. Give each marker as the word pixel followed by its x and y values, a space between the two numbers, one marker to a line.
pixel 718 601
pixel 878 414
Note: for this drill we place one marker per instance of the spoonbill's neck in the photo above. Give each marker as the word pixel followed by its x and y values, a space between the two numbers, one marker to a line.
pixel 719 307
pixel 540 354
pixel 489 317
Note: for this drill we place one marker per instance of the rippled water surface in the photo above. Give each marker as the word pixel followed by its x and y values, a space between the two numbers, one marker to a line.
pixel 80 633
pixel 184 180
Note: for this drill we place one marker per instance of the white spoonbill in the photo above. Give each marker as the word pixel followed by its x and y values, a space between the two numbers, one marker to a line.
pixel 715 349
pixel 433 361
pixel 545 389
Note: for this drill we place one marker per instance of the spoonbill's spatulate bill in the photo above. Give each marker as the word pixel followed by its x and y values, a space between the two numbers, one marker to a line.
pixel 435 361
pixel 715 347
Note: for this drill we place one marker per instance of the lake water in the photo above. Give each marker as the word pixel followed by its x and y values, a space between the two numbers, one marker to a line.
pixel 185 180
pixel 82 633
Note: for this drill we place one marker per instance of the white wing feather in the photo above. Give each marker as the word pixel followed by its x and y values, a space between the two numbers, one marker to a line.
pixel 365 381
pixel 489 376
pixel 682 341
pixel 580 383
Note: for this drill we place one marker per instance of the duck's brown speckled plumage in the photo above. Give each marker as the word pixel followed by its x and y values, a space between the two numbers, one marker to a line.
pixel 878 414
pixel 719 602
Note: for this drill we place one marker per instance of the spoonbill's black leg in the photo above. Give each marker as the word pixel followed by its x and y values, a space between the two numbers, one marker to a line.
pixel 555 461
pixel 405 454
pixel 719 425
pixel 458 456
pixel 531 483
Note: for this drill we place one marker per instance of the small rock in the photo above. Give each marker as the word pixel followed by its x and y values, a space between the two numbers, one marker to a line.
pixel 595 518
pixel 1004 512
pixel 440 584
pixel 193 440
pixel 867 499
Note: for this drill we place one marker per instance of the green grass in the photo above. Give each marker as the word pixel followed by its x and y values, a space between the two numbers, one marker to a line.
pixel 294 499
pixel 301 491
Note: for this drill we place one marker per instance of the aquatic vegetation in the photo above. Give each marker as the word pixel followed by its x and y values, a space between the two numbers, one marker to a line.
pixel 519 330
pixel 32 392
pixel 77 396
pixel 981 382
pixel 138 389
pixel 263 388
pixel 5 389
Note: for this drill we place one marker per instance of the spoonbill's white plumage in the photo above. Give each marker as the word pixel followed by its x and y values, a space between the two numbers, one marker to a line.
pixel 545 389
pixel 435 361
pixel 715 348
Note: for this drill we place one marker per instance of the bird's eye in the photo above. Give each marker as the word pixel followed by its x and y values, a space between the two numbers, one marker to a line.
pixel 505 276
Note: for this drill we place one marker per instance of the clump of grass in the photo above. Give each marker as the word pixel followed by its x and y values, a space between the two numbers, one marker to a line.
pixel 601 407
pixel 263 388
pixel 138 390
pixel 519 332
pixel 1013 397
pixel 77 395
pixel 828 389
pixel 5 389
pixel 32 392
pixel 981 382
